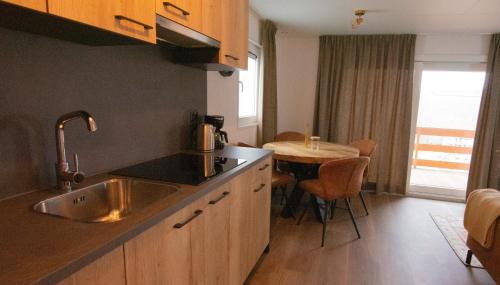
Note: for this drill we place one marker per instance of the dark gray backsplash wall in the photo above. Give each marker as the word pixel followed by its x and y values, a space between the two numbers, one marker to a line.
pixel 140 100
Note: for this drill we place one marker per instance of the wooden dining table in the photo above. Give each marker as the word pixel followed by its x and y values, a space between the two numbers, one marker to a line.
pixel 304 161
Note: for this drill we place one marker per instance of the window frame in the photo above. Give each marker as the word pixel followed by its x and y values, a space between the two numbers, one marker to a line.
pixel 254 52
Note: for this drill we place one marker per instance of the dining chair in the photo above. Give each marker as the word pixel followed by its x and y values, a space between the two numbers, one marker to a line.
pixel 279 179
pixel 289 136
pixel 283 166
pixel 338 179
pixel 366 148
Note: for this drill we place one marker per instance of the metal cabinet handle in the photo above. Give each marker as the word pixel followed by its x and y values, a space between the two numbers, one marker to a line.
pixel 260 188
pixel 264 167
pixel 184 12
pixel 224 195
pixel 196 214
pixel 231 56
pixel 121 17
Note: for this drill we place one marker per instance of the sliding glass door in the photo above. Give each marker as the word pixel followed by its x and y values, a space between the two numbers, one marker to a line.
pixel 446 109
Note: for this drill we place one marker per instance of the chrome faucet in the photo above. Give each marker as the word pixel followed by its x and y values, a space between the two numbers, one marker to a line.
pixel 65 176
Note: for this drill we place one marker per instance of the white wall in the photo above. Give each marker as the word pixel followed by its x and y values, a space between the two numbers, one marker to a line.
pixel 297 63
pixel 452 47
pixel 222 95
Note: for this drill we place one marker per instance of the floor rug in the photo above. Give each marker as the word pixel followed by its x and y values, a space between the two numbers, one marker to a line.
pixel 452 228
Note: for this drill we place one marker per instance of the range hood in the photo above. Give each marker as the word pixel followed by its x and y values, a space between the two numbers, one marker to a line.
pixel 181 36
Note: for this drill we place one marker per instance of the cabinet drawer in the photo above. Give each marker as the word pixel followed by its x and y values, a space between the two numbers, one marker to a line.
pixel 184 12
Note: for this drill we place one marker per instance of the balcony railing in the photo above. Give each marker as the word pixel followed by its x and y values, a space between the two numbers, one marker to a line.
pixel 468 134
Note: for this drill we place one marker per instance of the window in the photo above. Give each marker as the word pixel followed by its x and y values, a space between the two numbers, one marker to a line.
pixel 249 89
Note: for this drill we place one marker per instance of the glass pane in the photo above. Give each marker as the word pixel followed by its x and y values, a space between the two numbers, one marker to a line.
pixel 447 116
pixel 248 90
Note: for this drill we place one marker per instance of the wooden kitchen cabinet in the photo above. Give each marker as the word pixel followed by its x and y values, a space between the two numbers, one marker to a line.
pixel 133 18
pixel 171 252
pixel 212 18
pixel 250 219
pixel 184 12
pixel 234 38
pixel 39 5
pixel 260 202
pixel 109 269
pixel 216 236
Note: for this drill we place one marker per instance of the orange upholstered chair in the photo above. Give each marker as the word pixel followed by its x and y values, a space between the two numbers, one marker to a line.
pixel 366 148
pixel 279 179
pixel 289 136
pixel 338 179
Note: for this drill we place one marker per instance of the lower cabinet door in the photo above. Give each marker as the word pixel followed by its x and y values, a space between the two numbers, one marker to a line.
pixel 261 210
pixel 240 231
pixel 168 253
pixel 109 269
pixel 216 237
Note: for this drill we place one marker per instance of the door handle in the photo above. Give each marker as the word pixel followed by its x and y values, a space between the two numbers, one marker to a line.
pixel 264 167
pixel 260 188
pixel 121 17
pixel 224 195
pixel 184 12
pixel 231 56
pixel 196 214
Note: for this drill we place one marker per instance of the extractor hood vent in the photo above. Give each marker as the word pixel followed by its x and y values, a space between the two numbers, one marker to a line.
pixel 181 36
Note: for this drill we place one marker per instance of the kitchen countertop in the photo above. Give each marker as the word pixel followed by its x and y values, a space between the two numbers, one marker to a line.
pixel 43 249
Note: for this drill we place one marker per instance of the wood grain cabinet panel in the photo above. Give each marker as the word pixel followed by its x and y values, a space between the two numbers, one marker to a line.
pixel 138 19
pixel 216 237
pixel 234 37
pixel 109 269
pixel 39 5
pixel 184 12
pixel 166 253
pixel 260 210
pixel 212 18
pixel 134 18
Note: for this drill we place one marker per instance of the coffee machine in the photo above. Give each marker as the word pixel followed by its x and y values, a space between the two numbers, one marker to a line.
pixel 220 135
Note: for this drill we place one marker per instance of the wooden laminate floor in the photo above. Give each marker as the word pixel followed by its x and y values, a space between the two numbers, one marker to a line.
pixel 400 244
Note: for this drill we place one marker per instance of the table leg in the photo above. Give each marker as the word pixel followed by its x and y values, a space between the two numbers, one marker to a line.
pixel 302 172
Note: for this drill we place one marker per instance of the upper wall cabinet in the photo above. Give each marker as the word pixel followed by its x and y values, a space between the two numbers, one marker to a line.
pixel 134 18
pixel 39 5
pixel 184 12
pixel 212 18
pixel 234 44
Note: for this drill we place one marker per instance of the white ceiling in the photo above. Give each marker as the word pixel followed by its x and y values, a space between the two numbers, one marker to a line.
pixel 319 17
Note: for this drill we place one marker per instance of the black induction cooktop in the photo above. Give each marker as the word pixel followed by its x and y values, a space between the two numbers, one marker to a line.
pixel 182 168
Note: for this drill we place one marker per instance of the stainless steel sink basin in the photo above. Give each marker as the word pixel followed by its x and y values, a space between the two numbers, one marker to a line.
pixel 108 201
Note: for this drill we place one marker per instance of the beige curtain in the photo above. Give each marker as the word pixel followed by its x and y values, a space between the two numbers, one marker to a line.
pixel 485 163
pixel 269 117
pixel 364 90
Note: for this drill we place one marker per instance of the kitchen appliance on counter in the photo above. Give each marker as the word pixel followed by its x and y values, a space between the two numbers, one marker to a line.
pixel 220 135
pixel 181 168
pixel 205 137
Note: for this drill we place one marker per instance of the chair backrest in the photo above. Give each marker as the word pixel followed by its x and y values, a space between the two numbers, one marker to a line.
pixel 366 147
pixel 342 178
pixel 245 145
pixel 289 136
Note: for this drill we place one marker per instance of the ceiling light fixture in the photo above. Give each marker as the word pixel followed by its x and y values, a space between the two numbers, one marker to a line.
pixel 359 13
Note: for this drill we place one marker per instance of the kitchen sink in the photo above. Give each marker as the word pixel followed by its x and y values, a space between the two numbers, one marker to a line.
pixel 108 201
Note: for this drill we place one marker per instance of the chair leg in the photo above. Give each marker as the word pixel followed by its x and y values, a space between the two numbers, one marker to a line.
pixel 363 201
pixel 328 205
pixel 332 211
pixel 303 213
pixel 348 205
pixel 468 258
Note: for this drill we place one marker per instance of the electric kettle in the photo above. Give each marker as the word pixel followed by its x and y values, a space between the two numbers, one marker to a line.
pixel 205 138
